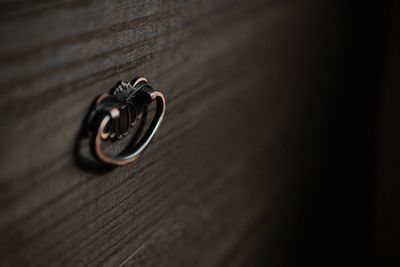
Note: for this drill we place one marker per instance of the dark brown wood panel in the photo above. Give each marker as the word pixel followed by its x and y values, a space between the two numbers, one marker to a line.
pixel 236 86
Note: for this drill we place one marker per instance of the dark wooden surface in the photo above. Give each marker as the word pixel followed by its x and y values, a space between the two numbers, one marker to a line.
pixel 240 78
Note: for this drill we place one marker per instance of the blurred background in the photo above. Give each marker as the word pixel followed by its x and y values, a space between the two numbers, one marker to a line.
pixel 280 146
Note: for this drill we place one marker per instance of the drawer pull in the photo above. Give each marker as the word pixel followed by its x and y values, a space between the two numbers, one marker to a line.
pixel 115 113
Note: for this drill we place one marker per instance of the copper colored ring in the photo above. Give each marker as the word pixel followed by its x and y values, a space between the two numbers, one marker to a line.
pixel 138 148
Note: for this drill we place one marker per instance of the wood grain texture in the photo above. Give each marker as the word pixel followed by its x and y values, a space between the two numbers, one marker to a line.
pixel 214 174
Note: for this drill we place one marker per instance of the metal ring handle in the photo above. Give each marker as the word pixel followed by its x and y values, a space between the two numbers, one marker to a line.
pixel 100 133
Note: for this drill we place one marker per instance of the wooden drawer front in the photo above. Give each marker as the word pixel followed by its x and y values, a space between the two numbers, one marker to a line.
pixel 206 186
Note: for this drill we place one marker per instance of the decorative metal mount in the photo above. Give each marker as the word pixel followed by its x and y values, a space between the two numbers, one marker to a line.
pixel 115 113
